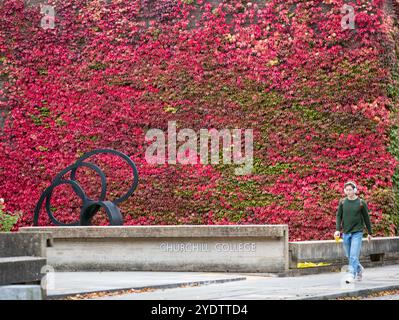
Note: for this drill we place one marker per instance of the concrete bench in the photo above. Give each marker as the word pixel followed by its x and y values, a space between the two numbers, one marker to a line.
pixel 220 248
pixel 379 251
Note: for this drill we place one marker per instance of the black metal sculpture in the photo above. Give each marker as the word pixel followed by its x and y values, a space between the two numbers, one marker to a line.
pixel 90 207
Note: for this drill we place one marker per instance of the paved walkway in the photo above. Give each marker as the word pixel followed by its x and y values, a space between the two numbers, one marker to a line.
pixel 258 287
pixel 230 286
pixel 67 283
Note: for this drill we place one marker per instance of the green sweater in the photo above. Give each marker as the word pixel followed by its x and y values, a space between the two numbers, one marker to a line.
pixel 352 216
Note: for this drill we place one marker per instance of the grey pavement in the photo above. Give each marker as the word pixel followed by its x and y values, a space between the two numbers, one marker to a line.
pixel 67 283
pixel 317 286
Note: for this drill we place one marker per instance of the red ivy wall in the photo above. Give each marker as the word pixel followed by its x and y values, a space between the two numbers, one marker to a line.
pixel 322 102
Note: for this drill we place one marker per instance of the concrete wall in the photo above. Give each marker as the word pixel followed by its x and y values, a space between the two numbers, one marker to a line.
pixel 244 248
pixel 13 244
pixel 22 258
pixel 21 270
pixel 378 250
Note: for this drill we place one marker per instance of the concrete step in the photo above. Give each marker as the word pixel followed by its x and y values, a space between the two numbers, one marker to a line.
pixel 21 292
pixel 17 244
pixel 25 269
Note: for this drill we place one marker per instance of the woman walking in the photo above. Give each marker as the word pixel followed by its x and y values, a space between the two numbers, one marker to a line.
pixel 353 214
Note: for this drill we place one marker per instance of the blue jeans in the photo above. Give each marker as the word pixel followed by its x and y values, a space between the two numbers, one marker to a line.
pixel 352 246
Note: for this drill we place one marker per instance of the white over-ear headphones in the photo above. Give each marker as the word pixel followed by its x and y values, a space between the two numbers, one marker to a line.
pixel 352 184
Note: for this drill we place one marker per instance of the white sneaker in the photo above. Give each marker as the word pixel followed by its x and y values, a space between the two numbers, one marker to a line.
pixel 350 279
pixel 359 275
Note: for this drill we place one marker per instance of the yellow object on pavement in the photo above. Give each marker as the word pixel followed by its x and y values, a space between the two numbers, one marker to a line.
pixel 312 264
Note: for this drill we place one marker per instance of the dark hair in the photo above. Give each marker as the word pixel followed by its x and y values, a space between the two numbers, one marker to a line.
pixel 350 183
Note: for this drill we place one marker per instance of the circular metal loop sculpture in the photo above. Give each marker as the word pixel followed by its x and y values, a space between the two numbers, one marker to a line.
pixel 89 207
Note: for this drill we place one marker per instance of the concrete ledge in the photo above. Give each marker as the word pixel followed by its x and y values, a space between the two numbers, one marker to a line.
pixel 13 244
pixel 221 248
pixel 21 292
pixel 378 251
pixel 21 269
pixel 22 257
pixel 168 231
